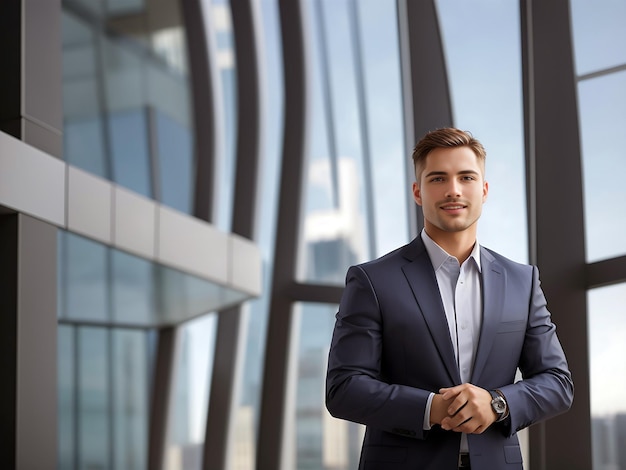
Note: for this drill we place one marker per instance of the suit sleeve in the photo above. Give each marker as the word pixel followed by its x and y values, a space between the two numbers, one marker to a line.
pixel 355 387
pixel 547 388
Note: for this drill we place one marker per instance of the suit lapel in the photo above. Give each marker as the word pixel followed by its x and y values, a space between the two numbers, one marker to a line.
pixel 493 283
pixel 423 282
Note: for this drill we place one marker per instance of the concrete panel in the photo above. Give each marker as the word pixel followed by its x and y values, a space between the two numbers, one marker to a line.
pixel 36 424
pixel 245 265
pixel 41 48
pixel 22 170
pixel 191 245
pixel 89 204
pixel 134 227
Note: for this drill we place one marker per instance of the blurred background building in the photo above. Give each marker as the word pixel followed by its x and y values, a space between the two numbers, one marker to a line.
pixel 183 184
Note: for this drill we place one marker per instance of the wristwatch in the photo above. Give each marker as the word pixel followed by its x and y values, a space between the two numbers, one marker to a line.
pixel 498 403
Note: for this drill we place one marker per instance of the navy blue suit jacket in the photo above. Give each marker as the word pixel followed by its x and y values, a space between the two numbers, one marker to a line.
pixel 391 348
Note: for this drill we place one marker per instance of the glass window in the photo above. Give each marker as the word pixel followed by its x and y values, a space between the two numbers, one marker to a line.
pixel 385 135
pixel 354 166
pixel 219 17
pixel 66 378
pixel 175 151
pixel 190 395
pixel 482 51
pixel 83 274
pixel 321 441
pixel 133 285
pixel 607 349
pixel 94 405
pixel 602 110
pixel 84 127
pixel 103 397
pixel 126 96
pixel 130 410
pixel 129 150
pixel 598 27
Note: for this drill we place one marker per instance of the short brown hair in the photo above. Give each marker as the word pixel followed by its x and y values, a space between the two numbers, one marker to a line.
pixel 446 137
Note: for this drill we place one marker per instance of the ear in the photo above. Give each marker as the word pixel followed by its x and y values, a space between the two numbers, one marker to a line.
pixel 417 194
pixel 485 190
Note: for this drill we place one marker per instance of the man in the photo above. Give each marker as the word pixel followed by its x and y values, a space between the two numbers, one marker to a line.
pixel 428 338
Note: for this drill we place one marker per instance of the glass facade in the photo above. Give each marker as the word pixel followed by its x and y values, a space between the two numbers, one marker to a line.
pixel 321 441
pixel 128 398
pixel 354 206
pixel 601 73
pixel 126 97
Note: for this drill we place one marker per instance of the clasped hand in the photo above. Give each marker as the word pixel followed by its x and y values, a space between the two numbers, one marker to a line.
pixel 464 408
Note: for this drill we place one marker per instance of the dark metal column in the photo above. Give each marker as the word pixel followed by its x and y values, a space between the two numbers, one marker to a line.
pixel 28 342
pixel 30 82
pixel 277 360
pixel 204 102
pixel 556 222
pixel 160 389
pixel 231 322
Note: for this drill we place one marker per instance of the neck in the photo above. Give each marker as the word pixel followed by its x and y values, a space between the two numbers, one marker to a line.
pixel 457 244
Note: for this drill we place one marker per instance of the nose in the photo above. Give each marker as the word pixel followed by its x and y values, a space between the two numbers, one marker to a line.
pixel 453 189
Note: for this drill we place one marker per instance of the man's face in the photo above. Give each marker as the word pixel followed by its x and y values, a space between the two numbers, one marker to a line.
pixel 451 190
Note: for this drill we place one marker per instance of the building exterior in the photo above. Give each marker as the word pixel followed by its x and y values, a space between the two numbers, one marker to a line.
pixel 184 183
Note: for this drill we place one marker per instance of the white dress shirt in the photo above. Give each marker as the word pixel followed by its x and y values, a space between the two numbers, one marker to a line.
pixel 460 289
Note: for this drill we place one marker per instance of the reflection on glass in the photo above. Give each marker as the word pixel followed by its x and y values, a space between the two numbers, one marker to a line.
pixel 190 395
pixel 99 284
pixel 383 102
pixel 129 150
pixel 218 16
pixel 322 442
pixel 126 96
pixel 94 407
pixel 486 88
pixel 132 289
pixel 602 110
pixel 175 149
pixel 607 349
pixel 66 397
pixel 597 28
pixel 334 234
pixel 130 398
pixel 103 397
pixel 83 128
pixel 84 271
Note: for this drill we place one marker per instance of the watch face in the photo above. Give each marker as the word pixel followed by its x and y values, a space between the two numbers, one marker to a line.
pixel 498 405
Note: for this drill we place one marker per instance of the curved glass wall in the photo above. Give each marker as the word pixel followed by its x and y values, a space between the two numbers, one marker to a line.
pixel 483 56
pixel 190 394
pixel 319 441
pixel 103 397
pixel 247 410
pixel 126 100
pixel 354 204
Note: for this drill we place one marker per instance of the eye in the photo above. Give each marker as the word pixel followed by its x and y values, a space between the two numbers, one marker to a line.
pixel 436 179
pixel 468 178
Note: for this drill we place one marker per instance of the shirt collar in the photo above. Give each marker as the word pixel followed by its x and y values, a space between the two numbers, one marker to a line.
pixel 438 256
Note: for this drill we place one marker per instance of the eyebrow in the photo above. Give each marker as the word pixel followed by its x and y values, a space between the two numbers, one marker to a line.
pixel 444 173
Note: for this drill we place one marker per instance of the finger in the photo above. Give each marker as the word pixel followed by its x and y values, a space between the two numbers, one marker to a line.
pixel 457 405
pixel 450 392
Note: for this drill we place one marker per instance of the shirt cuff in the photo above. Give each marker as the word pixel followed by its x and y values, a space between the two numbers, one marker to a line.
pixel 429 403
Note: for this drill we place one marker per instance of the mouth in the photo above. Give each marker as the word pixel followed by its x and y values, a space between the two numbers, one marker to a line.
pixel 453 207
